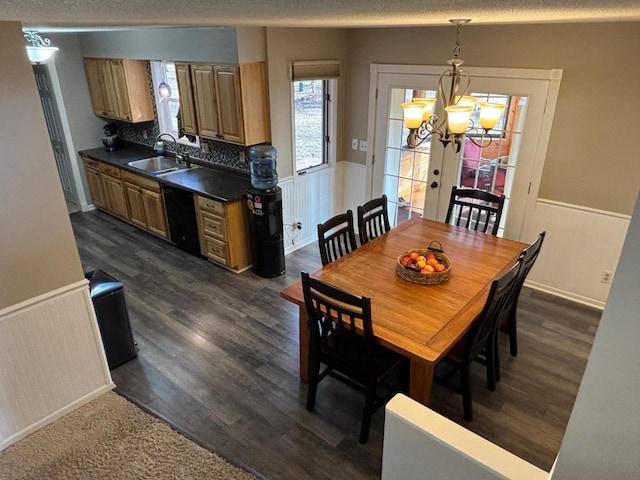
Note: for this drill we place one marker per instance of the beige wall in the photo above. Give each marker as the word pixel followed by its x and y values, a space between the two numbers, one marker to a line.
pixel 588 162
pixel 283 46
pixel 38 253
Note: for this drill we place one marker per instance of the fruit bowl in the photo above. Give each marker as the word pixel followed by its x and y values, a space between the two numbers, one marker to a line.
pixel 409 268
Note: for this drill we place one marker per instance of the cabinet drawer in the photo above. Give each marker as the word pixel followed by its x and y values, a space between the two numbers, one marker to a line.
pixel 212 206
pixel 109 170
pixel 216 249
pixel 139 180
pixel 214 225
pixel 90 162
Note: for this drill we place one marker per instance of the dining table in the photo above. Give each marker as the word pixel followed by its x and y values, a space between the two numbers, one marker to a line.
pixel 420 321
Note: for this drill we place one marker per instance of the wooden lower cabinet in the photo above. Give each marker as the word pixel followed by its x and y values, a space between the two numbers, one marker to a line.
pixel 224 232
pixel 114 194
pixel 94 181
pixel 146 204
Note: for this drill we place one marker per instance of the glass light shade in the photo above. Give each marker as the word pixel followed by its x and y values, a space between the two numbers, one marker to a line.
pixel 466 101
pixel 428 104
pixel 164 90
pixel 413 113
pixel 458 118
pixel 490 114
pixel 40 54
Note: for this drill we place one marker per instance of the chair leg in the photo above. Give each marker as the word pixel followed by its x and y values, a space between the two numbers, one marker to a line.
pixel 314 372
pixel 496 358
pixel 367 413
pixel 466 393
pixel 513 333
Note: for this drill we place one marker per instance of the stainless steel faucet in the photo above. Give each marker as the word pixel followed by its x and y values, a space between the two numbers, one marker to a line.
pixel 175 145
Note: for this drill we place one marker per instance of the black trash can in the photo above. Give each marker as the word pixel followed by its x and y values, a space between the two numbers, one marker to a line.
pixel 107 295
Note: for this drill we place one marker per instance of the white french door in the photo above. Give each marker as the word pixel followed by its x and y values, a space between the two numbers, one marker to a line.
pixel 418 181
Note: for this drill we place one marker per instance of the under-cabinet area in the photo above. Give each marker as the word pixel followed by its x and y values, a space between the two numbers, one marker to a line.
pixel 220 224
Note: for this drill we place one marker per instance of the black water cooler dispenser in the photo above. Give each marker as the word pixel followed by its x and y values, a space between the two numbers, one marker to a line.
pixel 264 200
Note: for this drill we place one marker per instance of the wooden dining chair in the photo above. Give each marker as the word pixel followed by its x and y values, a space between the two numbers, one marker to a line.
pixel 509 323
pixel 479 342
pixel 341 338
pixel 474 209
pixel 373 219
pixel 336 237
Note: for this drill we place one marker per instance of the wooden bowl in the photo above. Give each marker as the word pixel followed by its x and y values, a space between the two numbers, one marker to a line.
pixel 412 275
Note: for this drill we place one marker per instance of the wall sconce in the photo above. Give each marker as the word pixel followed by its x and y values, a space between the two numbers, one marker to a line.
pixel 40 49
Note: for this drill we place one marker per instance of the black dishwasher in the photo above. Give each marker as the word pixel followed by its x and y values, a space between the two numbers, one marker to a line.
pixel 181 215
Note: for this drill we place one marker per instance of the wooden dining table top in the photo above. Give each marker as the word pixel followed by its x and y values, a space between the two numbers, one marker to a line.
pixel 419 321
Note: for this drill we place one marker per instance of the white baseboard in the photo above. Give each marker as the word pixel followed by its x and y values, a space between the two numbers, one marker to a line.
pixel 564 294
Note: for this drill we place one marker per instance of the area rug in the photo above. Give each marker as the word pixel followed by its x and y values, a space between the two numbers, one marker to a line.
pixel 111 438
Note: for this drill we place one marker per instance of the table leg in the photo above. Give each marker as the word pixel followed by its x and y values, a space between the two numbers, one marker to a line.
pixel 304 345
pixel 421 381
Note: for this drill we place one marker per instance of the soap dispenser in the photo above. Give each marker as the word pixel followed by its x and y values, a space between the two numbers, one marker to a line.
pixel 159 148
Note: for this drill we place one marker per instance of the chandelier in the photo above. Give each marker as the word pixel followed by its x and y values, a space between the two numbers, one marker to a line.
pixel 40 49
pixel 458 107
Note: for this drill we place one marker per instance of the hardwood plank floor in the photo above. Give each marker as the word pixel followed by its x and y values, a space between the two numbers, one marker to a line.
pixel 218 359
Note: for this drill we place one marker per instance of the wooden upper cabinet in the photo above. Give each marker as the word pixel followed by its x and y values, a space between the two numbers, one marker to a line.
pixel 204 93
pixel 119 89
pixel 188 119
pixel 231 102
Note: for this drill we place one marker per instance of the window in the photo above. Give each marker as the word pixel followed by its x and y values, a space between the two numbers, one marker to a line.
pixel 313 91
pixel 168 108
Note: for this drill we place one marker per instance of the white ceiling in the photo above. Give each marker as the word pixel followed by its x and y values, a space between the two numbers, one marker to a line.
pixel 308 13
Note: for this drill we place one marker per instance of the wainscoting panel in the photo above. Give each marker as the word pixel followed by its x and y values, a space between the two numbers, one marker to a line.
pixel 51 360
pixel 581 244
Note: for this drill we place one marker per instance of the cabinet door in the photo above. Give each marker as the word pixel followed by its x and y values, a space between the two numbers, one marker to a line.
pixel 229 102
pixel 120 89
pixel 96 86
pixel 114 195
pixel 188 120
pixel 205 100
pixel 155 212
pixel 136 204
pixel 95 186
pixel 109 91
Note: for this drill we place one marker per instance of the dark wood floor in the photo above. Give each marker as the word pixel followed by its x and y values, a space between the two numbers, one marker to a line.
pixel 218 359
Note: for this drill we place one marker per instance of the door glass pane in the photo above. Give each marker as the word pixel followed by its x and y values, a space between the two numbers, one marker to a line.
pixel 488 161
pixel 405 171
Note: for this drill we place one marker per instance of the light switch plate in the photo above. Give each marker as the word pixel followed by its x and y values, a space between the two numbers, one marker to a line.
pixel 363 145
pixel 354 144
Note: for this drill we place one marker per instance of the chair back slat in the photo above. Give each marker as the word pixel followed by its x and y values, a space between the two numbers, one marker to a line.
pixel 336 237
pixel 477 210
pixel 373 219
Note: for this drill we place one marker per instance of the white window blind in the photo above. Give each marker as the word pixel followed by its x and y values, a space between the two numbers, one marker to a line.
pixel 315 70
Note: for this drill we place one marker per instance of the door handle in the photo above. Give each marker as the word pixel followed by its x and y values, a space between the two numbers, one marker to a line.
pixel 434 184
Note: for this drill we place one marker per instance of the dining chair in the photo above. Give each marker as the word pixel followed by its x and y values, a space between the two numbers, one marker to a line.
pixel 336 237
pixel 373 219
pixel 479 342
pixel 474 209
pixel 341 338
pixel 508 323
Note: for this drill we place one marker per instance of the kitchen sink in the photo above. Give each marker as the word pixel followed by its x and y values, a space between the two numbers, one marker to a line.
pixel 157 165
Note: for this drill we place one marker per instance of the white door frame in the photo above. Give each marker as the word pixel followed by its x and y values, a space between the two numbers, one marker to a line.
pixel 552 76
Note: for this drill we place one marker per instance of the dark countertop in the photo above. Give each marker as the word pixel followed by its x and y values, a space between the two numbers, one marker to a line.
pixel 217 182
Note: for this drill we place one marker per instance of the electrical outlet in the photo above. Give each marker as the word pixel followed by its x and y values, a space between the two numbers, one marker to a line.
pixel 354 144
pixel 607 276
pixel 298 225
pixel 204 146
pixel 145 135
pixel 363 145
pixel 241 156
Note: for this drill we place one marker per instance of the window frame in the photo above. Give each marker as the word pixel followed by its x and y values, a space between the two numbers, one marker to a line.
pixel 157 67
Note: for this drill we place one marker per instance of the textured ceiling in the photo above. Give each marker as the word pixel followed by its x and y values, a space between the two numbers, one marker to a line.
pixel 309 13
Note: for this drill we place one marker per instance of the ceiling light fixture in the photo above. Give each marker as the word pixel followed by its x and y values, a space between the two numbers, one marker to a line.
pixel 458 107
pixel 40 49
